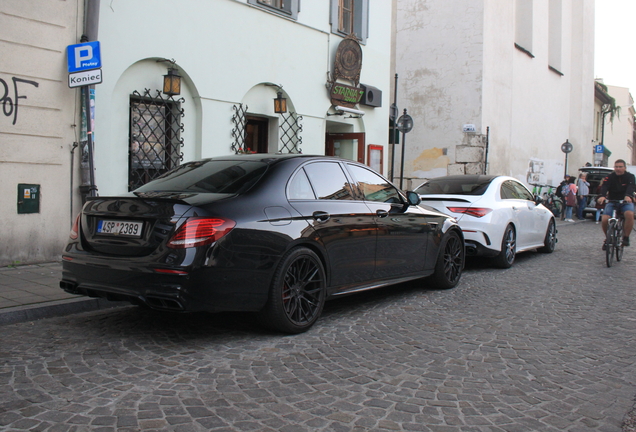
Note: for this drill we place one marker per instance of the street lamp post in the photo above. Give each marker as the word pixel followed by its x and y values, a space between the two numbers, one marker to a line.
pixel 566 148
pixel 404 125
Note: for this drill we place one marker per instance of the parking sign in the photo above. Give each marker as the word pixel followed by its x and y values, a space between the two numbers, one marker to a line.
pixel 83 57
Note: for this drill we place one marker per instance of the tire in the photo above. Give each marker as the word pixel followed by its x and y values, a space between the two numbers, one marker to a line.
pixel 609 244
pixel 619 242
pixel 550 240
pixel 450 262
pixel 506 257
pixel 297 293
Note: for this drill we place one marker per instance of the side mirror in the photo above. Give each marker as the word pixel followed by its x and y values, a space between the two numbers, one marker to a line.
pixel 538 200
pixel 413 198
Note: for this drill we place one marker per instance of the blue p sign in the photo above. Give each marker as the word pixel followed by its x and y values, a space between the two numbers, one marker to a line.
pixel 84 56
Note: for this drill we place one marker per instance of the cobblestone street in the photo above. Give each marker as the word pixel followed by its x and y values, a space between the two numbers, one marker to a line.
pixel 548 345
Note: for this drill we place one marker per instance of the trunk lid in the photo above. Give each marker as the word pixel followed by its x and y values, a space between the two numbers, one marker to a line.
pixel 136 225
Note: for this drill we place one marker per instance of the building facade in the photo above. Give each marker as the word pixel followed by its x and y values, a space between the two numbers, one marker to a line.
pixel 39 128
pixel 495 86
pixel 618 134
pixel 233 57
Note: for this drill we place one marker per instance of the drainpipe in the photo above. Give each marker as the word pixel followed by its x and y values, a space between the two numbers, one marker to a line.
pixel 91 27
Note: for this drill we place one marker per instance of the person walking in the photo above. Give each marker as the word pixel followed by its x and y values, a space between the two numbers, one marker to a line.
pixel 583 190
pixel 559 192
pixel 569 193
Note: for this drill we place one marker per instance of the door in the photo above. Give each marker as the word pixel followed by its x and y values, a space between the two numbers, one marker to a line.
pixel 256 132
pixel 346 145
pixel 403 231
pixel 343 224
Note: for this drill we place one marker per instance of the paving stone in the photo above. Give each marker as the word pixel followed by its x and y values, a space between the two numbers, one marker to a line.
pixel 543 346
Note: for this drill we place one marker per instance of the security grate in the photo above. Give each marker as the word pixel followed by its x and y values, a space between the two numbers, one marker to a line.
pixel 291 128
pixel 239 119
pixel 155 136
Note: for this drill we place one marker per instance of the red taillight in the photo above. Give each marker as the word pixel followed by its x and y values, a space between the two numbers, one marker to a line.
pixel 472 211
pixel 200 231
pixel 75 228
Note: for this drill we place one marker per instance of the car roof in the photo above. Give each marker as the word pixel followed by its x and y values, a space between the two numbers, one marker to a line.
pixel 596 169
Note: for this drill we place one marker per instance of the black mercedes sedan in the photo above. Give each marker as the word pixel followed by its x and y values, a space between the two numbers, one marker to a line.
pixel 276 234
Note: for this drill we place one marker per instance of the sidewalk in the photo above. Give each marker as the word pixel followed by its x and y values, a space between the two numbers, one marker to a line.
pixel 31 292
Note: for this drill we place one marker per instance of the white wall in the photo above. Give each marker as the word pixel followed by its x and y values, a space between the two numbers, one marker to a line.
pixel 458 65
pixel 619 134
pixel 227 51
pixel 36 142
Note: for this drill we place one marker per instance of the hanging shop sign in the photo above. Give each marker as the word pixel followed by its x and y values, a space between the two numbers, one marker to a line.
pixel 345 95
pixel 347 67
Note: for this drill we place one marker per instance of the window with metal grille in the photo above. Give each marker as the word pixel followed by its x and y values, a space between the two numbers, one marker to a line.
pixel 155 136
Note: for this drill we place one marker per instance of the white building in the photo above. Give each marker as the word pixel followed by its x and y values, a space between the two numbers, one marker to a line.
pixel 234 57
pixel 619 135
pixel 37 129
pixel 520 72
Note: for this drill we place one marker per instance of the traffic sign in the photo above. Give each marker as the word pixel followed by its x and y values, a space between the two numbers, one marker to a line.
pixel 84 56
pixel 598 148
pixel 85 78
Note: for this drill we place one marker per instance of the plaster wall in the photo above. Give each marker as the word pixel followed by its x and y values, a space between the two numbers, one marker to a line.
pixel 458 65
pixel 227 51
pixel 439 62
pixel 619 134
pixel 36 128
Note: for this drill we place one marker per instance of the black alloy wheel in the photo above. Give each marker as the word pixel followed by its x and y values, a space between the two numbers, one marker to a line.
pixel 450 262
pixel 297 294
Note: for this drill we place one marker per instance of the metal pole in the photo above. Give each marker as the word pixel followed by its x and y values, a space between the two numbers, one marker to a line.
pixel 394 128
pixel 92 189
pixel 91 27
pixel 403 151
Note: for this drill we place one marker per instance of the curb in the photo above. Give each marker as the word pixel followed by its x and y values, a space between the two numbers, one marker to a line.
pixel 20 314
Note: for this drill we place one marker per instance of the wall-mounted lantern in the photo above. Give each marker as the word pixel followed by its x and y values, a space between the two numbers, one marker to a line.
pixel 280 104
pixel 172 83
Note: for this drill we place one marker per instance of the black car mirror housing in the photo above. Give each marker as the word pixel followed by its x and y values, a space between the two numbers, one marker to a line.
pixel 413 198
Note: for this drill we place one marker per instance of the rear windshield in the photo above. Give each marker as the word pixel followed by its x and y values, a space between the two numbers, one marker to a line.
pixel 455 186
pixel 214 176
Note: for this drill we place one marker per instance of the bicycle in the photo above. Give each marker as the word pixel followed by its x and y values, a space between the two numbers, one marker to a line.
pixel 550 200
pixel 614 237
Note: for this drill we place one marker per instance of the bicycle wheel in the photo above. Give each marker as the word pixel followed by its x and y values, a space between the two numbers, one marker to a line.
pixel 619 241
pixel 558 207
pixel 610 239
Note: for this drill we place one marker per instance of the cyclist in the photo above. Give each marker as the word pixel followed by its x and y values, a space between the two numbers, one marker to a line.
pixel 619 185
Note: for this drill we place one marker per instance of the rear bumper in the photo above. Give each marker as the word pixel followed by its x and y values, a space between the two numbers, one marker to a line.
pixel 202 289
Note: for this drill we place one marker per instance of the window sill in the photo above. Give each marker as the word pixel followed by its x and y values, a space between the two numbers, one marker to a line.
pixel 555 70
pixel 523 50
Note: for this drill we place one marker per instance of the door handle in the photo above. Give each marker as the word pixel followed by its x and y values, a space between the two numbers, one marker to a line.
pixel 382 213
pixel 321 216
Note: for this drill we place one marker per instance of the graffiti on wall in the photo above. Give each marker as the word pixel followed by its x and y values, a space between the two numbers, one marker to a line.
pixel 10 100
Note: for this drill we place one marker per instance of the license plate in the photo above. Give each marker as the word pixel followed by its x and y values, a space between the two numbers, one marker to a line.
pixel 122 228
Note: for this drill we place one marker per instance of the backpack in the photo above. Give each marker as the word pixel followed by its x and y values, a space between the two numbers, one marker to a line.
pixel 565 190
pixel 559 190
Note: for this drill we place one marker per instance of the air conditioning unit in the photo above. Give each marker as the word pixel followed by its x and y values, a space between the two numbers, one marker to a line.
pixel 372 96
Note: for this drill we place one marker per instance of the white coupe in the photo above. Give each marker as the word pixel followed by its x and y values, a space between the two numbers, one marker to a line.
pixel 498 215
